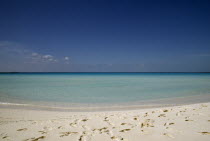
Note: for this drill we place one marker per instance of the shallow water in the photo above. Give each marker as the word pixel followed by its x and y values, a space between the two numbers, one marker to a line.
pixel 56 89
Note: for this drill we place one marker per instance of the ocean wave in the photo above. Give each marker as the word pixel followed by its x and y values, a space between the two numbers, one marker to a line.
pixel 6 103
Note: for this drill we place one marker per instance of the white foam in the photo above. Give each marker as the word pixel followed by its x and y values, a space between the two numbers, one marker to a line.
pixel 6 103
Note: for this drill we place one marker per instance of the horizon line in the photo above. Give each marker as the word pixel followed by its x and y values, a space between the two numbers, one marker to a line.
pixel 107 72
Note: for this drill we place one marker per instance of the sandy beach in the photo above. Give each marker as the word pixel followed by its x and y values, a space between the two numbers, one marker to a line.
pixel 188 122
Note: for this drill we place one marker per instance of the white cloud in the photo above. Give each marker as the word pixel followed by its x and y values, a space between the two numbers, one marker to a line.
pixel 47 56
pixel 34 54
pixel 16 52
pixel 66 58
pixel 50 59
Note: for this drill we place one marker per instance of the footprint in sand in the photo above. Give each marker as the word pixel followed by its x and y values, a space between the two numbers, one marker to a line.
pixel 205 133
pixel 42 132
pixel 144 132
pixel 167 123
pixel 84 120
pixel 203 105
pixel 147 123
pixel 168 135
pixel 188 120
pixel 165 110
pixel 61 127
pixel 125 130
pixel 73 124
pixel 106 119
pixel 67 133
pixel 146 114
pixel 162 115
pixel 5 137
pixel 23 129
pixel 36 139
pixel 178 114
pixel 81 138
pixel 47 128
pixel 117 138
pixel 102 130
pixel 135 118
pixel 113 137
pixel 123 123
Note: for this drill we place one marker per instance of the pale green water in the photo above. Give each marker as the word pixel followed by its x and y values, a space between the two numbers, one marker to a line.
pixel 105 88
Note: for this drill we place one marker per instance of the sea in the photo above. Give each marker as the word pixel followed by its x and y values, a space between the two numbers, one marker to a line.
pixel 75 91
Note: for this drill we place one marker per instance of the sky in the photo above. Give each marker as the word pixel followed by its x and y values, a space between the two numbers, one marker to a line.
pixel 104 36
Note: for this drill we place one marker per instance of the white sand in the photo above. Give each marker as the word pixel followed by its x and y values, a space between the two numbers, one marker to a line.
pixel 180 123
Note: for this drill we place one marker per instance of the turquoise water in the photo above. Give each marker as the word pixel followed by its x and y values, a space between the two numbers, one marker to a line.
pixel 106 88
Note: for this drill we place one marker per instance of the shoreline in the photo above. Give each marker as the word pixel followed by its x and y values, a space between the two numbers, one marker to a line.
pixel 148 104
pixel 185 122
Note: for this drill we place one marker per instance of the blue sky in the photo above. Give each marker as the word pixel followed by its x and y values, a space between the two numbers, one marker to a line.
pixel 105 35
